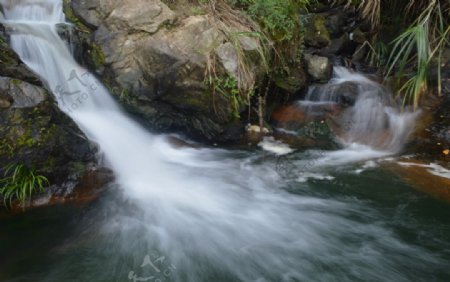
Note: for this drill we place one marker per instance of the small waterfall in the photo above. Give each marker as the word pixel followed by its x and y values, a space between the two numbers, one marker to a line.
pixel 370 116
pixel 210 213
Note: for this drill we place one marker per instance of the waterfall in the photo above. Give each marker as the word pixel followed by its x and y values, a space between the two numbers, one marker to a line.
pixel 210 213
pixel 373 117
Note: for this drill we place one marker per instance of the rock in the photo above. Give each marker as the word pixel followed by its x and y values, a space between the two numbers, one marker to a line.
pixel 319 68
pixel 11 65
pixel 85 189
pixel 141 15
pixel 254 134
pixel 90 12
pixel 344 94
pixel 341 46
pixel 228 56
pixel 358 36
pixel 292 83
pixel 296 126
pixel 5 101
pixel 256 129
pixel 160 65
pixel 335 23
pixel 291 113
pixel 316 33
pixel 37 134
pixel 248 43
pixel 82 190
pixel 360 54
pixel 295 116
pixel 432 136
pixel 22 94
pixel 424 177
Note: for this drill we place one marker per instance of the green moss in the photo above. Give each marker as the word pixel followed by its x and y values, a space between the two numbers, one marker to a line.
pixel 26 139
pixel 316 33
pixel 27 130
pixel 97 56
pixel 7 57
pixel 16 82
pixel 71 17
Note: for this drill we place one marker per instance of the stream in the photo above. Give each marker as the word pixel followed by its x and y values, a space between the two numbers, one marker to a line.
pixel 200 214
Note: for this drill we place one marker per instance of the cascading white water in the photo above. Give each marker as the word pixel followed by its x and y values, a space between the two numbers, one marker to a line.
pixel 373 120
pixel 211 214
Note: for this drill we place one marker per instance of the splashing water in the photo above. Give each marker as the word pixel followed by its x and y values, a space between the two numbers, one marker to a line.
pixel 217 217
pixel 373 120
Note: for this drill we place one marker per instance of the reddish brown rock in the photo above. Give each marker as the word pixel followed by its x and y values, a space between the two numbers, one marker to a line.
pixel 418 175
pixel 288 114
pixel 90 186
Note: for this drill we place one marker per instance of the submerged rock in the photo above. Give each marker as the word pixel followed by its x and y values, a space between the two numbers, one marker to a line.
pixel 431 179
pixel 302 126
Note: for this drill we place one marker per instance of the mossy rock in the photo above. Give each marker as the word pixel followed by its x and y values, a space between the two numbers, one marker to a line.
pixel 97 56
pixel 293 82
pixel 315 31
pixel 41 136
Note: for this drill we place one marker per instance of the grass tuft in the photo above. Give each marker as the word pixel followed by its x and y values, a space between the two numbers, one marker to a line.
pixel 20 183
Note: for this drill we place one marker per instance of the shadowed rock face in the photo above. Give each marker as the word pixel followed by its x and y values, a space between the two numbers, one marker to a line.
pixel 35 133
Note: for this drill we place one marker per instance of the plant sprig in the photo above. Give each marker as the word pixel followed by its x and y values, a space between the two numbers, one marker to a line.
pixel 20 183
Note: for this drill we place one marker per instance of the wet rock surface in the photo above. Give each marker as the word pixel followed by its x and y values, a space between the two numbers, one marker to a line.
pixel 424 179
pixel 79 190
pixel 431 141
pixel 33 131
pixel 10 63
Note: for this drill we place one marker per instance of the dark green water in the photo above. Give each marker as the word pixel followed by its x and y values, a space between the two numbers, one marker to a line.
pixel 106 240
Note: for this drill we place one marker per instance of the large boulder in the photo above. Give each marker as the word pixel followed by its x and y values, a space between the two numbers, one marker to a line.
pixel 36 134
pixel 161 66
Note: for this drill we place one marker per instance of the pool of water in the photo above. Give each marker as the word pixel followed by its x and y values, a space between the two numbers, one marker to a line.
pixel 351 222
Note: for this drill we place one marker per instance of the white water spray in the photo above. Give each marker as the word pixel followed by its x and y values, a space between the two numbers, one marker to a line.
pixel 216 217
pixel 374 120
